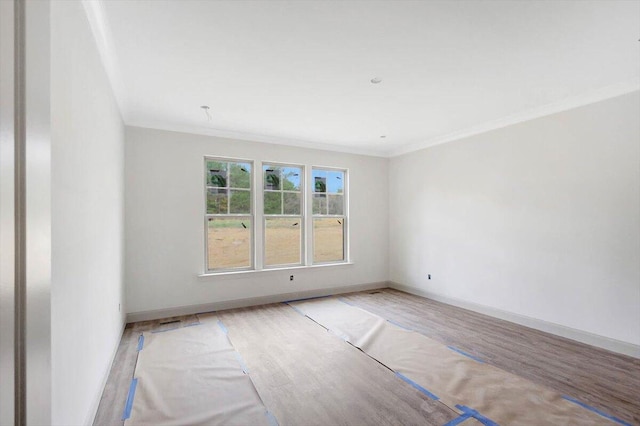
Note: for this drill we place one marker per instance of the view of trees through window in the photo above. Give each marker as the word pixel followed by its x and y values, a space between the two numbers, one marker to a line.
pixel 229 215
pixel 328 215
pixel 283 214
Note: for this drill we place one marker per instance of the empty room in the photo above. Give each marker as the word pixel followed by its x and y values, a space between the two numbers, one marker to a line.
pixel 287 212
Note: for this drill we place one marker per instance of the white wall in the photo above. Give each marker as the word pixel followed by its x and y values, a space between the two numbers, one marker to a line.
pixel 39 212
pixel 164 221
pixel 87 218
pixel 539 219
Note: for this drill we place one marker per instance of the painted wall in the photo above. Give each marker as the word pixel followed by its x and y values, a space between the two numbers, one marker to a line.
pixel 165 231
pixel 539 219
pixel 87 218
pixel 39 212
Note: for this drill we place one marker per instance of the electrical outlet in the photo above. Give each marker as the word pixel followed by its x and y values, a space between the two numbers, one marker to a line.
pixel 290 277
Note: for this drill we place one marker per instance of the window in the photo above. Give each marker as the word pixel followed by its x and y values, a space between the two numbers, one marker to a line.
pixel 229 214
pixel 283 214
pixel 286 229
pixel 329 215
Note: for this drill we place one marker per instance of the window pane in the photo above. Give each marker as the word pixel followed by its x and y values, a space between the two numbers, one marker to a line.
pixel 291 178
pixel 240 175
pixel 328 240
pixel 271 178
pixel 217 174
pixel 282 241
pixel 336 204
pixel 240 201
pixel 229 243
pixel 292 203
pixel 273 203
pixel 319 204
pixel 217 201
pixel 335 182
pixel 319 181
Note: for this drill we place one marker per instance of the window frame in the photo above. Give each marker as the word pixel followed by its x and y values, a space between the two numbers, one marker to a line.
pixel 257 217
pixel 302 215
pixel 346 257
pixel 251 215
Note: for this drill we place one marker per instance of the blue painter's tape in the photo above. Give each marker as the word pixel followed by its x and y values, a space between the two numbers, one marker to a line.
pixel 244 367
pixel 271 418
pixel 221 325
pixel 140 342
pixel 595 410
pixel 458 420
pixel 417 386
pixel 399 325
pixel 466 354
pixel 130 396
pixel 479 417
pixel 296 309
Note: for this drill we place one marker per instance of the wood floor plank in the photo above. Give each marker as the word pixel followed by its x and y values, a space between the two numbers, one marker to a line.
pixel 115 392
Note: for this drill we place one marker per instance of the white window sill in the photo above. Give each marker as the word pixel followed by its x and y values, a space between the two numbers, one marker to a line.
pixel 267 271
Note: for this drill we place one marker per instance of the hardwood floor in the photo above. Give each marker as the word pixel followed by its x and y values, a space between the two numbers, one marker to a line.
pixel 600 378
pixel 306 375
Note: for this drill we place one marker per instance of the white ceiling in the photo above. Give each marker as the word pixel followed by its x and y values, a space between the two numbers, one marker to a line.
pixel 298 72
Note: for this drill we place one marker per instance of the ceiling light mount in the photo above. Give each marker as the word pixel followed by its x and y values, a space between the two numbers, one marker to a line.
pixel 376 80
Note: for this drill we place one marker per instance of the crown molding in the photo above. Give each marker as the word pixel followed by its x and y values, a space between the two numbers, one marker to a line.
pixel 566 104
pixel 96 15
pixel 251 137
pixel 572 102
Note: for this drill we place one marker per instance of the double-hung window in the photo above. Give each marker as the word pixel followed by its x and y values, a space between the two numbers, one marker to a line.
pixel 283 214
pixel 229 214
pixel 329 215
pixel 286 236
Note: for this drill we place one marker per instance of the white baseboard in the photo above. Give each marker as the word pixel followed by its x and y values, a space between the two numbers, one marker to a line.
pixel 252 301
pixel 546 326
pixel 538 324
pixel 96 403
